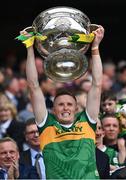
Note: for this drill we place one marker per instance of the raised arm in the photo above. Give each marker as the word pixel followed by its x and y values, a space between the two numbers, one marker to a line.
pixel 94 95
pixel 37 97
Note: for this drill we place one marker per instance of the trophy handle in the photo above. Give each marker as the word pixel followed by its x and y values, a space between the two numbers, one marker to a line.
pixel 30 29
pixel 93 27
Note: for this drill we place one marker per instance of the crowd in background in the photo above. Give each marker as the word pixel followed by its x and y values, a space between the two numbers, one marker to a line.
pixel 16 108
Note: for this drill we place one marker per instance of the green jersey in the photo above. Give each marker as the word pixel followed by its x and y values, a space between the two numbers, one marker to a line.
pixel 69 153
pixel 113 155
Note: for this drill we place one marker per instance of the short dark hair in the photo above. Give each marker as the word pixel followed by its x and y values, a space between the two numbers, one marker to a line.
pixel 112 115
pixel 29 122
pixel 109 94
pixel 63 91
pixel 107 115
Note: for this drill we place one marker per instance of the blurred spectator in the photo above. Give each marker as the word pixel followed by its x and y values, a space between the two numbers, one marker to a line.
pixel 112 128
pixel 9 72
pixel 113 156
pixel 9 126
pixel 23 85
pixel 109 68
pixel 81 100
pixel 22 95
pixel 11 87
pixel 76 83
pixel 28 157
pixel 108 102
pixel 49 89
pixel 121 94
pixel 3 98
pixel 10 168
pixel 106 83
pixel 26 113
pixel 85 85
pixel 121 79
pixel 14 92
pixel 39 66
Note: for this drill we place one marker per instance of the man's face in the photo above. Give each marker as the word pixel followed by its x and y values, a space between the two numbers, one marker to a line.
pixel 8 154
pixel 14 86
pixel 108 106
pixel 65 108
pixel 111 128
pixel 32 136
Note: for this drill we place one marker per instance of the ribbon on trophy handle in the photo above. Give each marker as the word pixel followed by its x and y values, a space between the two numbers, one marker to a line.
pixel 76 38
pixel 29 40
pixel 82 38
pixel 85 38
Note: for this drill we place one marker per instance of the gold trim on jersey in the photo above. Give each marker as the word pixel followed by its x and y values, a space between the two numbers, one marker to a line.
pixel 53 134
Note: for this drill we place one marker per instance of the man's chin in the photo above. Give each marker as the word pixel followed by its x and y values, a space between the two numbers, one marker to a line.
pixel 8 165
pixel 65 121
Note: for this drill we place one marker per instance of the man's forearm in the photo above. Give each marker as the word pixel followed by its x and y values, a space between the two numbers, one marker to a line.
pixel 31 72
pixel 96 67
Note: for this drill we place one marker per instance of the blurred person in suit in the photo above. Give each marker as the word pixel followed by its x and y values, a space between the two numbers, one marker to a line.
pixel 10 168
pixel 28 157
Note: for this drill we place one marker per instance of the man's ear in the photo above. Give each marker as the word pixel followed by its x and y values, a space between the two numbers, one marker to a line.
pixel 77 108
pixel 18 155
pixel 53 110
pixel 103 133
pixel 26 137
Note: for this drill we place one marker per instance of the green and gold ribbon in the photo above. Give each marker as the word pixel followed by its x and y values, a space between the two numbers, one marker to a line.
pixel 82 38
pixel 29 41
pixel 76 38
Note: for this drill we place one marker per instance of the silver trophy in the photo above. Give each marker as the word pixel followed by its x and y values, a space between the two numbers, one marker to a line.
pixel 64 60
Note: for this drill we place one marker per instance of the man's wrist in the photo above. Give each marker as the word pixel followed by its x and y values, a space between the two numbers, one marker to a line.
pixel 95 50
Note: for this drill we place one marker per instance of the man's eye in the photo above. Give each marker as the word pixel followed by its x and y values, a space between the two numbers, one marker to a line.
pixel 69 104
pixel 61 104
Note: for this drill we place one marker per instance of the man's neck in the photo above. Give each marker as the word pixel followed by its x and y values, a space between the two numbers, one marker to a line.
pixel 110 142
pixel 36 148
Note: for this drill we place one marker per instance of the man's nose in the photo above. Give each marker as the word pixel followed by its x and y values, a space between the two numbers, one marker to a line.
pixel 107 106
pixel 111 127
pixel 36 133
pixel 8 154
pixel 65 106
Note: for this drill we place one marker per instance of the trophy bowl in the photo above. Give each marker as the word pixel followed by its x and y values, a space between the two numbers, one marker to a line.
pixel 63 59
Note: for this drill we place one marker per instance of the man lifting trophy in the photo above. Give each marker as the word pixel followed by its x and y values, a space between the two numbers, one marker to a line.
pixel 62 36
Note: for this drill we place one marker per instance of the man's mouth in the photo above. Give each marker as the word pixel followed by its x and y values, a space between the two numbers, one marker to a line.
pixel 65 114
